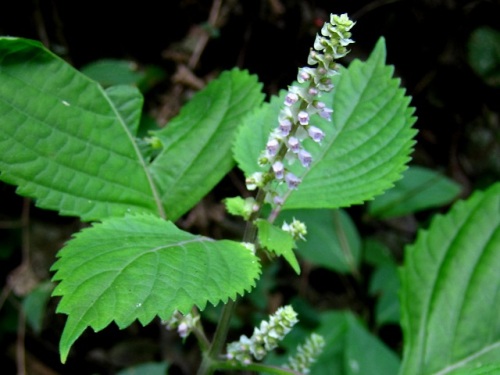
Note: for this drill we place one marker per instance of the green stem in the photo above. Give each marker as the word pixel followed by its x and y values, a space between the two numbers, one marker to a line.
pixel 209 359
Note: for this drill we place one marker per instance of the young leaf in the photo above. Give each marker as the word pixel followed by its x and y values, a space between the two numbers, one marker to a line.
pixel 197 143
pixel 278 241
pixel 420 189
pixel 450 283
pixel 67 142
pixel 137 267
pixel 366 145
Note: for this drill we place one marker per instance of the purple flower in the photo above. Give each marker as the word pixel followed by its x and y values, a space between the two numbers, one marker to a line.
pixel 305 158
pixel 292 181
pixel 313 91
pixel 285 127
pixel 272 147
pixel 291 99
pixel 316 134
pixel 294 144
pixel 279 170
pixel 303 118
pixel 278 200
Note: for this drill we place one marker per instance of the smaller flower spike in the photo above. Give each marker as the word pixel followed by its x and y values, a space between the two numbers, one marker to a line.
pixel 265 338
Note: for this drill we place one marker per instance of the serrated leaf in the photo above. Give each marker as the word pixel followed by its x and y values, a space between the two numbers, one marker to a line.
pixel 419 189
pixel 197 143
pixel 238 206
pixel 138 267
pixel 450 284
pixel 65 141
pixel 332 239
pixel 366 146
pixel 278 241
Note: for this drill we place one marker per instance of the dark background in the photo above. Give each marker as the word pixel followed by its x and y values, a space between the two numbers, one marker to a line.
pixel 427 42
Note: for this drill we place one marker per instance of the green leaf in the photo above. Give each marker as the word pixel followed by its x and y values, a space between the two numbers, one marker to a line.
pixel 450 283
pixel 111 72
pixel 484 54
pixel 350 349
pixel 128 102
pixel 420 189
pixel 238 206
pixel 67 142
pixel 385 285
pixel 35 305
pixel 150 368
pixel 197 143
pixel 278 241
pixel 137 267
pixel 366 146
pixel 332 239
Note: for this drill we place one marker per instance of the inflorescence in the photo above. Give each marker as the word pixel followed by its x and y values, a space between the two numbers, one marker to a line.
pixel 285 143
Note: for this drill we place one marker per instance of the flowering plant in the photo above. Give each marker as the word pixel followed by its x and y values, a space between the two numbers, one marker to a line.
pixel 337 137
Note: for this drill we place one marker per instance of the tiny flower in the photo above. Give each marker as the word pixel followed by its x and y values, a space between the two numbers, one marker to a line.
pixel 313 91
pixel 296 228
pixel 294 144
pixel 316 134
pixel 292 181
pixel 303 76
pixel 305 158
pixel 183 330
pixel 265 337
pixel 303 118
pixel 307 354
pixel 254 181
pixel 326 113
pixel 272 147
pixel 285 126
pixel 291 98
pixel 279 170
pixel 278 200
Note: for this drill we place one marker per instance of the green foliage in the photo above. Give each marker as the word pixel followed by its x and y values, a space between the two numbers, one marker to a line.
pixel 484 54
pixel 332 239
pixel 76 150
pixel 35 305
pixel 366 146
pixel 449 295
pixel 277 241
pixel 420 189
pixel 349 348
pixel 197 143
pixel 151 368
pixel 67 140
pixel 144 267
pixel 112 72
